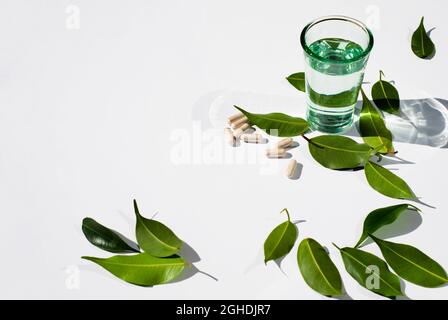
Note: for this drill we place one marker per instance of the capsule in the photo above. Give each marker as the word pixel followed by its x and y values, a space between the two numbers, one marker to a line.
pixel 276 153
pixel 251 137
pixel 238 132
pixel 238 123
pixel 291 169
pixel 230 138
pixel 235 117
pixel 284 143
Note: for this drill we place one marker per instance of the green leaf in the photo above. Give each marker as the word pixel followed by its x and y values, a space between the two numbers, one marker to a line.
pixel 142 269
pixel 371 272
pixel 372 128
pixel 411 264
pixel 338 152
pixel 317 269
pixel 381 217
pixel 285 125
pixel 281 240
pixel 421 43
pixel 387 183
pixel 297 80
pixel 385 96
pixel 107 239
pixel 154 237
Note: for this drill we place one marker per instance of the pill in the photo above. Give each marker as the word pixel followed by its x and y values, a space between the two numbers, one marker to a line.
pixel 284 143
pixel 291 169
pixel 238 132
pixel 251 137
pixel 235 117
pixel 238 123
pixel 276 153
pixel 230 138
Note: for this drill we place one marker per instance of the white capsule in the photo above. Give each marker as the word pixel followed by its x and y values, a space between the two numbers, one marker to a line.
pixel 291 169
pixel 238 123
pixel 251 137
pixel 235 117
pixel 238 132
pixel 276 153
pixel 230 138
pixel 284 143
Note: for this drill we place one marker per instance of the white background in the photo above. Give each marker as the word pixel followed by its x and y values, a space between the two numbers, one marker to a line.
pixel 89 120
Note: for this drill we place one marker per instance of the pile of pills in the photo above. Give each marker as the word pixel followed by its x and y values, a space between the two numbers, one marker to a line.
pixel 238 131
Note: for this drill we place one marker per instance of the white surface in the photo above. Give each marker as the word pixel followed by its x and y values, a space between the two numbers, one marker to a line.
pixel 89 120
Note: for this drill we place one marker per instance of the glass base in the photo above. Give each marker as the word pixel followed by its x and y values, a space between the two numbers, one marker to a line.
pixel 330 120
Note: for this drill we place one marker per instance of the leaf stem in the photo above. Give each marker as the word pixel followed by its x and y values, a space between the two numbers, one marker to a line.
pixel 306 138
pixel 336 246
pixel 287 213
pixel 381 75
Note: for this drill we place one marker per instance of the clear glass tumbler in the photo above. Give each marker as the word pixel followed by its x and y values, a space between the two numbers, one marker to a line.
pixel 336 51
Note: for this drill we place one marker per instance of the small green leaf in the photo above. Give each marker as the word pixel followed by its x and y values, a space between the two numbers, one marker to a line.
pixel 281 240
pixel 297 80
pixel 411 264
pixel 154 237
pixel 107 239
pixel 285 126
pixel 387 183
pixel 381 217
pixel 372 127
pixel 142 269
pixel 317 269
pixel 371 272
pixel 339 152
pixel 385 96
pixel 421 43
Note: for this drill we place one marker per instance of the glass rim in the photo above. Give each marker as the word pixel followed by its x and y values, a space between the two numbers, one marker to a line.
pixel 340 18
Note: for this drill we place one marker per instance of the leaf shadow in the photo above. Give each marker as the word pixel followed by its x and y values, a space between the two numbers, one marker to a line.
pixel 406 223
pixel 189 254
pixel 278 262
pixel 403 289
pixel 190 272
pixel 428 33
pixel 393 160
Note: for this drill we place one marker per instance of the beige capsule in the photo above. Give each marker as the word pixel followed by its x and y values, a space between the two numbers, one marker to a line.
pixel 284 143
pixel 238 132
pixel 238 123
pixel 251 137
pixel 291 169
pixel 276 153
pixel 235 117
pixel 230 138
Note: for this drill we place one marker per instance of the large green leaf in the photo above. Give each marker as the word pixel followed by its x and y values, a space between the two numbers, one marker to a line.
pixel 154 237
pixel 317 269
pixel 421 43
pixel 297 80
pixel 339 152
pixel 371 272
pixel 411 264
pixel 281 240
pixel 107 239
pixel 142 269
pixel 381 217
pixel 282 124
pixel 387 183
pixel 372 128
pixel 385 96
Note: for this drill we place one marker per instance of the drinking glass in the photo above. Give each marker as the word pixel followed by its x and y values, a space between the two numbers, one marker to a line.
pixel 336 50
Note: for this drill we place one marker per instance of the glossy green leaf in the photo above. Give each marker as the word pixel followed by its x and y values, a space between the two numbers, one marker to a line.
pixel 284 125
pixel 421 43
pixel 154 237
pixel 411 264
pixel 281 240
pixel 385 96
pixel 381 217
pixel 142 269
pixel 107 239
pixel 371 272
pixel 372 128
pixel 317 269
pixel 387 183
pixel 297 80
pixel 339 152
